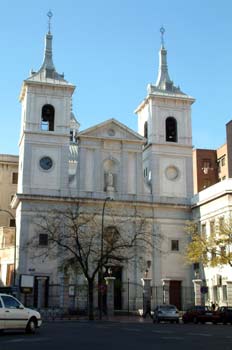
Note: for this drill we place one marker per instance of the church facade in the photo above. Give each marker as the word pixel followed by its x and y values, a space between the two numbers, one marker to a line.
pixel 147 172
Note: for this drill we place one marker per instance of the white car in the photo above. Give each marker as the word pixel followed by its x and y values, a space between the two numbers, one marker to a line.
pixel 13 315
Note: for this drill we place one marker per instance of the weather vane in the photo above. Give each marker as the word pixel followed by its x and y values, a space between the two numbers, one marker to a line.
pixel 49 14
pixel 162 31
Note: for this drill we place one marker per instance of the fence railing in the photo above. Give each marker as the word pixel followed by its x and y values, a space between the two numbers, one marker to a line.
pixel 59 301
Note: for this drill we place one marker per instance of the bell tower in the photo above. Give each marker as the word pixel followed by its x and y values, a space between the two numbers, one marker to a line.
pixel 164 119
pixel 46 99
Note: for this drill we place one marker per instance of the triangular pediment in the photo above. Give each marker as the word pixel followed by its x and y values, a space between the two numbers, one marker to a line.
pixel 112 129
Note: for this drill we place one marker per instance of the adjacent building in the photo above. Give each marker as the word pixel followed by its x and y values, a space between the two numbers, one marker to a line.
pixel 212 166
pixel 8 188
pixel 212 207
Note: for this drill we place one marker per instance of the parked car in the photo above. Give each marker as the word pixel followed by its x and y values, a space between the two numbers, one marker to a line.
pixel 223 314
pixel 166 312
pixel 13 315
pixel 200 314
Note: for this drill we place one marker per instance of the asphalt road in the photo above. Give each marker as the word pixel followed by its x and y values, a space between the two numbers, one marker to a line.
pixel 84 335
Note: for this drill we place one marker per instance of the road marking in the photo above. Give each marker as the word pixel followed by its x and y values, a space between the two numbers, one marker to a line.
pixel 102 327
pixel 173 338
pixel 27 340
pixel 163 332
pixel 14 340
pixel 131 329
pixel 201 334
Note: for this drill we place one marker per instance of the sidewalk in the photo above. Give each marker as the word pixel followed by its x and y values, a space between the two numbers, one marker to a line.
pixel 116 318
pixel 129 319
pixel 122 316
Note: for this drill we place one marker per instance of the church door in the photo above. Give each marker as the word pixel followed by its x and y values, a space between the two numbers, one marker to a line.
pixel 175 293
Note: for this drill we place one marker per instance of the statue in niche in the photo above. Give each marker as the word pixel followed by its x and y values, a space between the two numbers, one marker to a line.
pixel 110 181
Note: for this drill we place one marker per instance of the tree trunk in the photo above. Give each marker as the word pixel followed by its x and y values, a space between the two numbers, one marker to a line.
pixel 90 296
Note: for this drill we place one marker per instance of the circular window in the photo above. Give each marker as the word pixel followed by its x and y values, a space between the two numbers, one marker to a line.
pixel 111 132
pixel 172 173
pixel 46 163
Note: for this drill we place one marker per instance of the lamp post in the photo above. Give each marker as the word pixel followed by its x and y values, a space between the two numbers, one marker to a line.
pixel 101 256
pixel 12 216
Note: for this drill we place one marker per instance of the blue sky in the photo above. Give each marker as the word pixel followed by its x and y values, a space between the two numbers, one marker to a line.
pixel 109 50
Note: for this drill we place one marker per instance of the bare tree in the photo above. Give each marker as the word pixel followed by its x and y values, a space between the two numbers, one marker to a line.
pixel 80 236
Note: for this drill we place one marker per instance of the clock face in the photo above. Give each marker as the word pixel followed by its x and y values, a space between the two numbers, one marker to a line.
pixel 46 163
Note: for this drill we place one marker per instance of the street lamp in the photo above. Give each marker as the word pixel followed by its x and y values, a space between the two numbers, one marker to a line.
pixel 101 256
pixel 14 271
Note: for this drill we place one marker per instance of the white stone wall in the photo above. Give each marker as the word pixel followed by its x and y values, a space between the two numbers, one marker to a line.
pixel 120 155
pixel 169 164
pixel 36 143
pixel 210 205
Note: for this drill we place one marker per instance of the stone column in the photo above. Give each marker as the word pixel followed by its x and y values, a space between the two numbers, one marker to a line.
pixel 229 292
pixel 197 291
pixel 166 291
pixel 146 293
pixel 110 295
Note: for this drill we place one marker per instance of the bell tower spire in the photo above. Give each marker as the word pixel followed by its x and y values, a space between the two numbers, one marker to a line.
pixel 163 81
pixel 45 133
pixel 164 119
pixel 47 70
pixel 48 64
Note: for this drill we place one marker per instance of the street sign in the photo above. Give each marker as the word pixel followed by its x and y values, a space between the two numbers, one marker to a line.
pixel 204 289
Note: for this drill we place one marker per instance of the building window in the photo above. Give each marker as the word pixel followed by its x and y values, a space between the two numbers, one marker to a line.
pixel 171 129
pixel 221 162
pixel 206 183
pixel 196 267
pixel 203 230
pixel 175 245
pixel 48 118
pixel 206 166
pixel 212 227
pixel 213 253
pixel 73 136
pixel 12 223
pixel 219 166
pixel 224 292
pixel 206 163
pixel 215 293
pixel 221 223
pixel 145 132
pixel 43 239
pixel 223 251
pixel 14 178
pixel 145 172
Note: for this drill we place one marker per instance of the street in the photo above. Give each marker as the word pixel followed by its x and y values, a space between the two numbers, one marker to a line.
pixel 115 335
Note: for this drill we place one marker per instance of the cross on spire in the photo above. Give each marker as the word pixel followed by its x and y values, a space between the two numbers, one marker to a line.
pixel 162 31
pixel 49 14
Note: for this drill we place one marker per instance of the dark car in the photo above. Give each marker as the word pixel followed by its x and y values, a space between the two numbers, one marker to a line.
pixel 200 314
pixel 223 314
pixel 166 312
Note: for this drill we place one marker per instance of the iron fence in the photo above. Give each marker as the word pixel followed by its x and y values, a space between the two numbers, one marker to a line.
pixel 65 300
